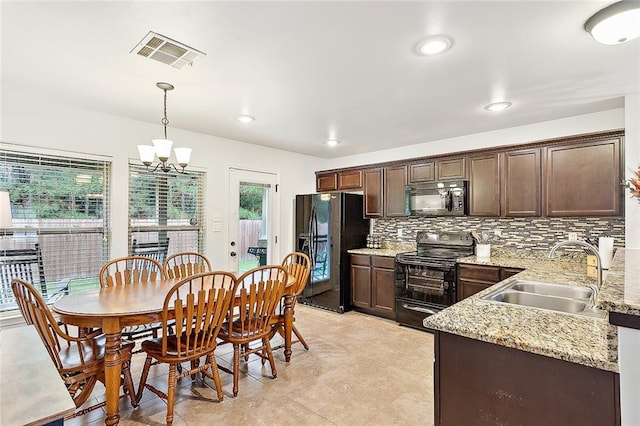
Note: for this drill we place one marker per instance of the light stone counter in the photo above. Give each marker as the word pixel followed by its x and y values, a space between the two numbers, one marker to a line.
pixel 389 249
pixel 578 339
pixel 621 290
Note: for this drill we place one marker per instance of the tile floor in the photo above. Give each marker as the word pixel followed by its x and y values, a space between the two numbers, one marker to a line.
pixel 360 370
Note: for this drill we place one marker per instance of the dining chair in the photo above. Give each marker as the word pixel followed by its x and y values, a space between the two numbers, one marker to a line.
pixel 186 263
pixel 199 304
pixel 132 270
pixel 249 320
pixel 79 360
pixel 298 265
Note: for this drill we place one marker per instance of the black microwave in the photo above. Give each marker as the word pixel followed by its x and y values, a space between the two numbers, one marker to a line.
pixel 446 198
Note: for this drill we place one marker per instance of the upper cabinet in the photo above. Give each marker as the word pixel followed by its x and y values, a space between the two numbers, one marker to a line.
pixel 484 185
pixel 332 181
pixel 583 179
pixel 521 183
pixel 395 179
pixel 373 196
pixel 453 168
pixel 424 171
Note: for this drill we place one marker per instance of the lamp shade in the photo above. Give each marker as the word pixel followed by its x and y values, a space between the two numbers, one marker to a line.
pixel 183 155
pixel 163 148
pixel 5 210
pixel 147 154
pixel 615 24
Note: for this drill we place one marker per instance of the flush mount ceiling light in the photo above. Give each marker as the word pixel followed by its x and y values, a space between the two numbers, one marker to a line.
pixel 168 51
pixel 332 142
pixel 497 106
pixel 433 45
pixel 615 24
pixel 244 118
pixel 162 147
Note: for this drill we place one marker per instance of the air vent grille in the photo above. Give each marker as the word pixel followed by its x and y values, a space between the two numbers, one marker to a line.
pixel 168 51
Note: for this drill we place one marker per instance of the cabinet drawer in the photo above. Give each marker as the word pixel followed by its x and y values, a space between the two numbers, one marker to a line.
pixel 490 274
pixel 360 259
pixel 383 262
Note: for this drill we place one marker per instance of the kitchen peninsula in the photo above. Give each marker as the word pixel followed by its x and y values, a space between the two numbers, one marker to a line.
pixel 501 363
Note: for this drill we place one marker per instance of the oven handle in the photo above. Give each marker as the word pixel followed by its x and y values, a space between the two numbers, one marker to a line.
pixel 418 309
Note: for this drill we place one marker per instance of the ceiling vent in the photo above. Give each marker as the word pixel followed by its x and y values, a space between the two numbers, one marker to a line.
pixel 168 51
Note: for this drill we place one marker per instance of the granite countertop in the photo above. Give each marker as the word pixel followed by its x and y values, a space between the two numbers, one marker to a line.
pixel 579 339
pixel 621 290
pixel 389 249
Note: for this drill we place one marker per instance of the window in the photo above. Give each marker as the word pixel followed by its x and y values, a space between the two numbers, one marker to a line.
pixel 166 206
pixel 60 203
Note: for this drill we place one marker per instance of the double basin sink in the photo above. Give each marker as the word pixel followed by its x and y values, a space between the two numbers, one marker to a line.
pixel 548 296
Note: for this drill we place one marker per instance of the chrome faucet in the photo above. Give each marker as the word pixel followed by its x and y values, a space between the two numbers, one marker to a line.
pixel 552 253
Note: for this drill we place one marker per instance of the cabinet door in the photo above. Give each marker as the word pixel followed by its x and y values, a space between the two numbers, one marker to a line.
pixel 521 183
pixel 351 179
pixel 383 291
pixel 451 169
pixel 422 172
pixel 484 186
pixel 326 181
pixel 373 196
pixel 395 179
pixel 361 286
pixel 584 179
pixel 468 288
pixel 509 272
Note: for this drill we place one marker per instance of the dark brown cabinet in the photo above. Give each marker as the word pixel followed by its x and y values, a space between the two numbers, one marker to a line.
pixel 475 278
pixel 454 168
pixel 422 172
pixel 373 195
pixel 583 179
pixel 484 185
pixel 395 179
pixel 521 183
pixel 489 384
pixel 338 181
pixel 373 285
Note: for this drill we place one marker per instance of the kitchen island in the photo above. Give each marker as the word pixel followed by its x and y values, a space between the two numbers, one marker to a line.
pixel 498 363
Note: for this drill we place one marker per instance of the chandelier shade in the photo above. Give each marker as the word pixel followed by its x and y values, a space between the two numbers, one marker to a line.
pixel 161 148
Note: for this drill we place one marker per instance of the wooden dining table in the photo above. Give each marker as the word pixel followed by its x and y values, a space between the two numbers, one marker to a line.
pixel 113 308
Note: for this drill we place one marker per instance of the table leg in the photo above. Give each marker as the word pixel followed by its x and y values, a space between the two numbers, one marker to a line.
pixel 112 367
pixel 288 326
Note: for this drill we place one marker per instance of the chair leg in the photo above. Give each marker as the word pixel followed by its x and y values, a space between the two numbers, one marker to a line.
pixel 143 378
pixel 300 338
pixel 236 368
pixel 128 382
pixel 171 393
pixel 211 360
pixel 266 348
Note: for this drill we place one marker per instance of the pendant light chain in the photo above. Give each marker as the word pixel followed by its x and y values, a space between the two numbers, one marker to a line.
pixel 165 121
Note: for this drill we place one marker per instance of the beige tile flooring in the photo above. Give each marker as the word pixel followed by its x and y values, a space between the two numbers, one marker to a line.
pixel 360 370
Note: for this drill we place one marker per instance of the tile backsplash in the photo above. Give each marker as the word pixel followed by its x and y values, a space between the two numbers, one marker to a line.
pixel 521 233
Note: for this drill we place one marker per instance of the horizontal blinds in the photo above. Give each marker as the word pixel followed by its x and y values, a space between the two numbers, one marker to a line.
pixel 60 203
pixel 167 205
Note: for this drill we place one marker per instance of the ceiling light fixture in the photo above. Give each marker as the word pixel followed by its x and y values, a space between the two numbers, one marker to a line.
pixel 332 142
pixel 433 45
pixel 162 147
pixel 497 106
pixel 244 118
pixel 616 23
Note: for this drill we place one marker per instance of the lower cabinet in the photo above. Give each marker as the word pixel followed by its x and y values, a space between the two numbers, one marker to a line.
pixel 475 278
pixel 479 383
pixel 373 285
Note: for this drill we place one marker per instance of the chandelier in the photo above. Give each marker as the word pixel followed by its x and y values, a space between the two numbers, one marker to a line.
pixel 162 147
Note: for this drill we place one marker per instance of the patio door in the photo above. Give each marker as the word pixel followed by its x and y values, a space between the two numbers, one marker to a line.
pixel 252 219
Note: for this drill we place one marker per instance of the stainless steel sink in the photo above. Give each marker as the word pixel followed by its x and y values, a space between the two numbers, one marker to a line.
pixel 548 296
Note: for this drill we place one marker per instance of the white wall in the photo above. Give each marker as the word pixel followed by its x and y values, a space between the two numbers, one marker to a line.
pixel 37 123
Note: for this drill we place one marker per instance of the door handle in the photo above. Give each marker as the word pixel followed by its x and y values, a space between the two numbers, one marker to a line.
pixel 233 254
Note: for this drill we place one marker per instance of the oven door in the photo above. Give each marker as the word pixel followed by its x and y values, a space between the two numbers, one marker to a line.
pixel 427 283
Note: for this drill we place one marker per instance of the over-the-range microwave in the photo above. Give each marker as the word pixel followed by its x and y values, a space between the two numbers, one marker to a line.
pixel 447 198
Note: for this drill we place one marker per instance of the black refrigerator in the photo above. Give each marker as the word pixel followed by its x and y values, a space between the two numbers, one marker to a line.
pixel 327 225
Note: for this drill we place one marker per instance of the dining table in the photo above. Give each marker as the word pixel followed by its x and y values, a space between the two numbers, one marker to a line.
pixel 116 307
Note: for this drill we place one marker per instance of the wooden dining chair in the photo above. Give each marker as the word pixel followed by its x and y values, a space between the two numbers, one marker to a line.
pixel 298 265
pixel 200 304
pixel 132 270
pixel 249 319
pixel 79 360
pixel 186 263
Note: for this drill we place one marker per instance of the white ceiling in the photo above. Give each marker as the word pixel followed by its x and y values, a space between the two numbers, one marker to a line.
pixel 309 71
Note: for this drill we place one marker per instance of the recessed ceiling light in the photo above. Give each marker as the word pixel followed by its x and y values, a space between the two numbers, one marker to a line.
pixel 245 118
pixel 615 24
pixel 497 106
pixel 433 45
pixel 332 142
